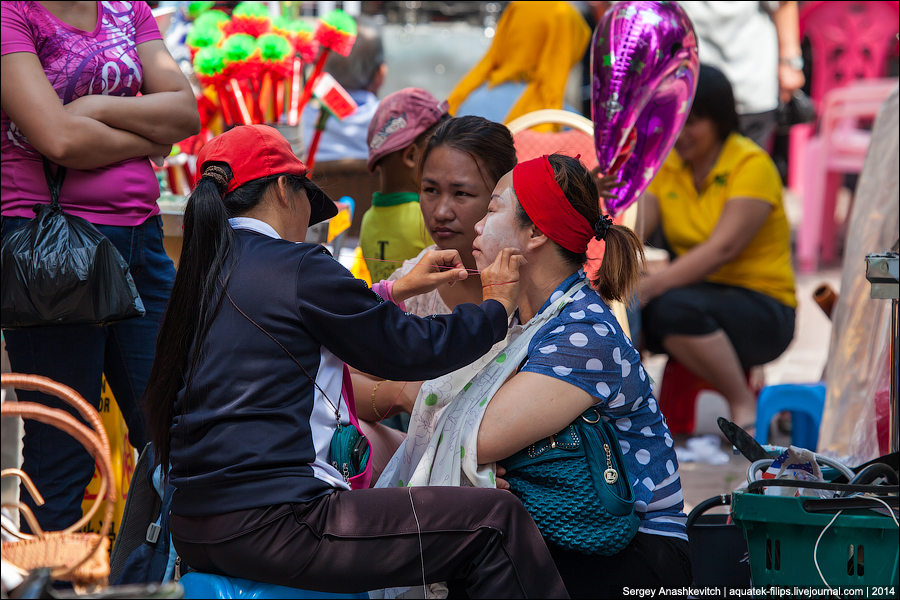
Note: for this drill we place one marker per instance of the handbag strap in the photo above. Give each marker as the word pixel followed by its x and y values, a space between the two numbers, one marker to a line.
pixel 54 181
pixel 337 408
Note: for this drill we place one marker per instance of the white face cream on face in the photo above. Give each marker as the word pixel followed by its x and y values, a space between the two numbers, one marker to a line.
pixel 498 229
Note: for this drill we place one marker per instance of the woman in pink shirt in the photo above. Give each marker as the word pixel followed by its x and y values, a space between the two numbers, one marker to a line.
pixel 71 74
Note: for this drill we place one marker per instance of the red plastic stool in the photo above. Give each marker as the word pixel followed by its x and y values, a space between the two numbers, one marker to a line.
pixel 678 395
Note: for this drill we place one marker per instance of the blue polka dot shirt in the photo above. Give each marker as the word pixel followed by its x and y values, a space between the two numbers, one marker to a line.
pixel 585 346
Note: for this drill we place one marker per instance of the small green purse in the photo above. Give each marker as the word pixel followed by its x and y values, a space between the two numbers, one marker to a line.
pixel 349 451
pixel 576 487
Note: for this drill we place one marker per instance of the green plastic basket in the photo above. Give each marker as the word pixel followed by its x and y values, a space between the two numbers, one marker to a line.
pixel 860 550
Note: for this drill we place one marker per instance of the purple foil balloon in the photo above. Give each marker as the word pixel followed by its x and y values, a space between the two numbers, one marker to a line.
pixel 644 73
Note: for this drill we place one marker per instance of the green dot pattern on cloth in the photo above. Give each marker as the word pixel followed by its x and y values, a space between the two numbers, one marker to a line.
pixel 501 358
pixel 462 452
pixel 483 402
pixel 491 473
pixel 431 399
pixel 467 386
pixel 400 483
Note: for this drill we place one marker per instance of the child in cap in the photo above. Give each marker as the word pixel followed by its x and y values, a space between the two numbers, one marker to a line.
pixel 393 229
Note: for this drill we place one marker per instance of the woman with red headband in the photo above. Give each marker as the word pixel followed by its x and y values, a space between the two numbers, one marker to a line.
pixel 568 355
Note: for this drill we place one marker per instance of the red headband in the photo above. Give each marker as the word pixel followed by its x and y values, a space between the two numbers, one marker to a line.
pixel 547 206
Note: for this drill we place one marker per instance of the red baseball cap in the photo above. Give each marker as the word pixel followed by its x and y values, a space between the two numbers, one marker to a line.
pixel 399 119
pixel 256 151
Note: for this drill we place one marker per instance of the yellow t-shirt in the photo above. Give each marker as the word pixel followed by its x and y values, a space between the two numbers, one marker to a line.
pixel 688 217
pixel 393 230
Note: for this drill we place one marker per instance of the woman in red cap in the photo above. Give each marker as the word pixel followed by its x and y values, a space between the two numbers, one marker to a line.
pixel 565 354
pixel 249 388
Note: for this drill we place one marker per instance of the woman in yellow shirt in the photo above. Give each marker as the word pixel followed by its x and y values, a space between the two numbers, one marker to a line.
pixel 726 301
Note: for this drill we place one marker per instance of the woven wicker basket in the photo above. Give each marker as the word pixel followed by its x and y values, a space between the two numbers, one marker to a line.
pixel 82 558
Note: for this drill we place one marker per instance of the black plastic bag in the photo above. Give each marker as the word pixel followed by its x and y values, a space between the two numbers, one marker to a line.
pixel 57 269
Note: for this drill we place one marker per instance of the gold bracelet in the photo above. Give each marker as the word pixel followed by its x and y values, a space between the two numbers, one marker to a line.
pixel 375 389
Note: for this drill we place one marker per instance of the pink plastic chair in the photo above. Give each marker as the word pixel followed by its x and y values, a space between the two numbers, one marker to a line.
pixel 849 41
pixel 840 147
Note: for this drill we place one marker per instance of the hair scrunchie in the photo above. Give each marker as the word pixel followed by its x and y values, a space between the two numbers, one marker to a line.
pixel 217 174
pixel 602 226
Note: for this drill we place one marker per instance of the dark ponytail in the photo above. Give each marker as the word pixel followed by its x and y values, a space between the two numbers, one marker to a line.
pixel 195 299
pixel 620 269
pixel 621 266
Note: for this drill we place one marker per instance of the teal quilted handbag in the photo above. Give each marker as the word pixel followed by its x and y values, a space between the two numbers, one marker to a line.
pixel 349 451
pixel 576 488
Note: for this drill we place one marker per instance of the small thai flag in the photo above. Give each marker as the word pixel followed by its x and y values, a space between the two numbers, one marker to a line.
pixel 334 97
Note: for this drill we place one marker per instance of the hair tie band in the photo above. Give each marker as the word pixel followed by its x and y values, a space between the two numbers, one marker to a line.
pixel 602 226
pixel 217 174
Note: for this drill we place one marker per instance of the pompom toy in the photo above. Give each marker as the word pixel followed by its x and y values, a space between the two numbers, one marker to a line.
pixel 251 18
pixel 335 32
pixel 195 9
pixel 209 66
pixel 301 34
pixel 306 47
pixel 243 65
pixel 203 35
pixel 248 61
pixel 277 55
pixel 211 18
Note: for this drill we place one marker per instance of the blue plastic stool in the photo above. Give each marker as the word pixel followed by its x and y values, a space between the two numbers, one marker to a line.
pixel 205 585
pixel 805 402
